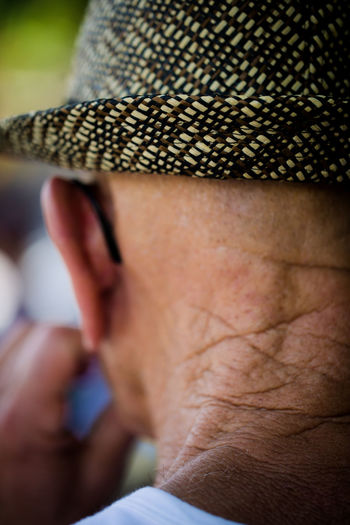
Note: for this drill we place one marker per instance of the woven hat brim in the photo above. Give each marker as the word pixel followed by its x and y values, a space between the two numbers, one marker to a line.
pixel 289 138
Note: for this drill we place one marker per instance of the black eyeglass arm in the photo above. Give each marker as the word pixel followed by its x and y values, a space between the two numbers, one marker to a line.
pixel 104 222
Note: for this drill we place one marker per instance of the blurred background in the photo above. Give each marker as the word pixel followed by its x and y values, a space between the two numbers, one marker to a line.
pixel 36 41
pixel 36 46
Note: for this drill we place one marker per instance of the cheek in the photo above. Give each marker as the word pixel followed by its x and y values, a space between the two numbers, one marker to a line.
pixel 127 388
pixel 132 330
pixel 126 354
pixel 134 345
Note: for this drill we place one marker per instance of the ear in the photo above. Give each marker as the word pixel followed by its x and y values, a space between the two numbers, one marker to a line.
pixel 76 233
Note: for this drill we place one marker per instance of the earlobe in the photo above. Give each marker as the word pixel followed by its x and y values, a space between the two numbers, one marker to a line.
pixel 76 233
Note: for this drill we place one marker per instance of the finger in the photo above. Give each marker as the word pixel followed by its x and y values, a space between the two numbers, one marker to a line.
pixel 105 452
pixel 14 338
pixel 49 360
pixel 55 356
pixel 10 371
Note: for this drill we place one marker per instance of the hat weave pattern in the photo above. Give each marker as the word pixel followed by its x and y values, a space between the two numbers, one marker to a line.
pixel 219 89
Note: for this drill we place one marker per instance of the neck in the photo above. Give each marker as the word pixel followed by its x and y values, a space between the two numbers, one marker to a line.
pixel 258 431
pixel 296 475
pixel 245 298
pixel 261 466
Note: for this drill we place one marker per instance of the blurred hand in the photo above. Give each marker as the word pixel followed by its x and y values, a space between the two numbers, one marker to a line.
pixel 47 476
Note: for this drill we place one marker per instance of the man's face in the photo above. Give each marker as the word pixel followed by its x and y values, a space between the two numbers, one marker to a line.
pixel 195 254
pixel 145 308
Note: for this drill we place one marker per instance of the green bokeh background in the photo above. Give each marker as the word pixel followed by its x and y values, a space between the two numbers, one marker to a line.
pixel 36 45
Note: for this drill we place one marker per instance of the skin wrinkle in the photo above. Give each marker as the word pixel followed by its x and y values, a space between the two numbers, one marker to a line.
pixel 265 467
pixel 236 402
pixel 298 368
pixel 329 339
pixel 227 403
pixel 248 435
pixel 317 425
pixel 294 378
pixel 309 266
pixel 262 330
pixel 305 265
pixel 247 374
pixel 215 445
pixel 198 451
pixel 245 337
pixel 238 399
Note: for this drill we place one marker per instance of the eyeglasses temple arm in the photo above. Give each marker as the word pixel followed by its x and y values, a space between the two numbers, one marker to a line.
pixel 104 222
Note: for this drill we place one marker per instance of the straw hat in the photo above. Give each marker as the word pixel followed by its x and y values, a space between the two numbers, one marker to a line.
pixel 204 88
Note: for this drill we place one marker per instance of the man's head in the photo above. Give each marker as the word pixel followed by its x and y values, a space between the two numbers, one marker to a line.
pixel 205 264
pixel 224 328
pixel 200 90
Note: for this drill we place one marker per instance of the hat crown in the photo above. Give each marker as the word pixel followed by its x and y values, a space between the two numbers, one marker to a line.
pixel 226 47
